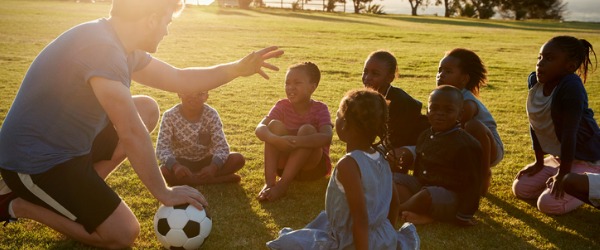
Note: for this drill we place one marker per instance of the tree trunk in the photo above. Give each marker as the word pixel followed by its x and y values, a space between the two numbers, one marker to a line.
pixel 414 7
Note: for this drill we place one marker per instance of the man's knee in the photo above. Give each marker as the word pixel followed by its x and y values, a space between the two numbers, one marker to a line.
pixel 120 229
pixel 119 237
pixel 148 110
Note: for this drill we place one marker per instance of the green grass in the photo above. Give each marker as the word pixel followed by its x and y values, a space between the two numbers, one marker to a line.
pixel 339 44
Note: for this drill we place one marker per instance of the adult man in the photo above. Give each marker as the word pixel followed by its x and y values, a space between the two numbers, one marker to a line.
pixel 74 121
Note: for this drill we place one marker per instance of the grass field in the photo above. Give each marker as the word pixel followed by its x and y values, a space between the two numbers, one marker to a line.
pixel 339 44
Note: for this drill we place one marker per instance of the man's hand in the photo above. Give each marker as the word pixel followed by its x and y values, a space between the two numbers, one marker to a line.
pixel 184 195
pixel 255 61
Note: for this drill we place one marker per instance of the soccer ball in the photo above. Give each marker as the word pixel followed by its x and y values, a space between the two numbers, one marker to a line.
pixel 181 227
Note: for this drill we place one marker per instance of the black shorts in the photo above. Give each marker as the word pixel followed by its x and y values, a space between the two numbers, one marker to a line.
pixel 73 188
pixel 196 166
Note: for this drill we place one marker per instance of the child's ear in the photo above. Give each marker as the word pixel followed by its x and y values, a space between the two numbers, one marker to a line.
pixel 314 87
pixel 461 110
pixel 466 79
pixel 571 66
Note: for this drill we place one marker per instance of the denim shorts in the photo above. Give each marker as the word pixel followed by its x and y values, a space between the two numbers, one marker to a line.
pixel 444 202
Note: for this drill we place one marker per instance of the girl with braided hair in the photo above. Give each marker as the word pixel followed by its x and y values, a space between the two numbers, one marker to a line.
pixel 562 126
pixel 357 204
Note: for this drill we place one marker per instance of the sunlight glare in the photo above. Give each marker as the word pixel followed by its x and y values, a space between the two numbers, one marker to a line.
pixel 199 2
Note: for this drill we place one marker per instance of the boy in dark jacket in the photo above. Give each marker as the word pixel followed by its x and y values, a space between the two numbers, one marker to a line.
pixel 446 178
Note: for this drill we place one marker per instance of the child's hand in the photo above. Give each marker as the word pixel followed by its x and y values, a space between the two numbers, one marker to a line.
pixel 208 172
pixel 285 143
pixel 557 185
pixel 181 171
pixel 400 157
pixel 405 157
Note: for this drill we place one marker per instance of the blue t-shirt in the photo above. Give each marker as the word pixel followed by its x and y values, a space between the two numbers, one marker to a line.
pixel 55 115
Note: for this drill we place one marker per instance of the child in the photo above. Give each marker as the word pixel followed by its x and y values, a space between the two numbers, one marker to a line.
pixel 359 195
pixel 462 68
pixel 447 172
pixel 405 119
pixel 297 133
pixel 192 147
pixel 561 125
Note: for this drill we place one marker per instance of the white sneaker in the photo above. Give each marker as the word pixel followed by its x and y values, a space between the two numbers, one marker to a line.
pixel 4 189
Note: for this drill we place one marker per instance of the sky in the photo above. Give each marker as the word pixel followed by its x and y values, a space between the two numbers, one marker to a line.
pixel 577 10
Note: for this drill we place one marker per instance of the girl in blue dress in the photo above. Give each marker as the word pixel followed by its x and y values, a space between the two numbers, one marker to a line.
pixel 359 209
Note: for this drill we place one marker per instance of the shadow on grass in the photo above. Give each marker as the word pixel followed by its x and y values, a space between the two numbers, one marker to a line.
pixel 302 203
pixel 233 217
pixel 581 224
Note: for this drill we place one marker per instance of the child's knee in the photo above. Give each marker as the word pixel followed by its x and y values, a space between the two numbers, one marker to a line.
pixel 522 190
pixel 548 204
pixel 277 127
pixel 307 129
pixel 148 110
pixel 237 159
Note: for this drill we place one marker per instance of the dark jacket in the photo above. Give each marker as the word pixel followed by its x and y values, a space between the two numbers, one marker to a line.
pixel 405 119
pixel 451 160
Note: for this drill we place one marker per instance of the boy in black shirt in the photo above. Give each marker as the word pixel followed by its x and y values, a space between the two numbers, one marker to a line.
pixel 446 177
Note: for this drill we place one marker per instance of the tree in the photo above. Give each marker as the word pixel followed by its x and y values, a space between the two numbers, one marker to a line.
pixel 548 9
pixel 330 6
pixel 485 8
pixel 374 9
pixel 541 9
pixel 450 6
pixel 415 4
pixel 359 5
pixel 467 9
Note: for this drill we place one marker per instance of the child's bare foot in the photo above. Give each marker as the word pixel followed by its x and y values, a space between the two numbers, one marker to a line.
pixel 230 178
pixel 264 192
pixel 415 218
pixel 276 192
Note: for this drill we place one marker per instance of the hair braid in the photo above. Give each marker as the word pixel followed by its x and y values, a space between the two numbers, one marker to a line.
pixel 579 50
pixel 367 109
